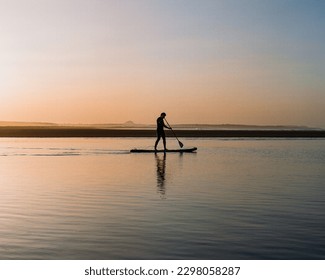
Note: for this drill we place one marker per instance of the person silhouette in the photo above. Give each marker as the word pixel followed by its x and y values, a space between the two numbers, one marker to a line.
pixel 160 131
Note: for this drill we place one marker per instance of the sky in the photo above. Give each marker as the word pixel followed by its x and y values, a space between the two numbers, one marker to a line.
pixel 200 61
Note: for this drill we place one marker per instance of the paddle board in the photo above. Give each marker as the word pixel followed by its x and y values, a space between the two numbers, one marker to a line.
pixel 184 150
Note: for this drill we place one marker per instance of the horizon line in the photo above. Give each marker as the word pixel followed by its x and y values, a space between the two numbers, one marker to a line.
pixel 131 123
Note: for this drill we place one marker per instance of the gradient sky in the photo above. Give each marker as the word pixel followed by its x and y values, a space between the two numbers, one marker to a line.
pixel 201 61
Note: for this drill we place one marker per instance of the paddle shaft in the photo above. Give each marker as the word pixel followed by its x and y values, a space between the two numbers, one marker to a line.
pixel 179 142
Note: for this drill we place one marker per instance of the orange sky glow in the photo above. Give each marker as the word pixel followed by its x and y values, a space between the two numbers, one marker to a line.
pixel 200 61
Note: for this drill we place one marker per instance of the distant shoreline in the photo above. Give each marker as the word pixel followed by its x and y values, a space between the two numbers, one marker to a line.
pixel 56 132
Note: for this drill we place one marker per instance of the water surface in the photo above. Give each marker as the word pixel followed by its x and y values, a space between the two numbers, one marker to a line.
pixel 82 198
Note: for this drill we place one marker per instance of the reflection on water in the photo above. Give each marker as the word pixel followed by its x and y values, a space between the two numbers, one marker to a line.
pixel 161 172
pixel 92 199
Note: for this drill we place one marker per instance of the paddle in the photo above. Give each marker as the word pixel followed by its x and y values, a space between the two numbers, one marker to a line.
pixel 179 142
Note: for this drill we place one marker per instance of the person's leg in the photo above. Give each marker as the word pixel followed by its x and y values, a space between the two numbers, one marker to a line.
pixel 164 141
pixel 157 141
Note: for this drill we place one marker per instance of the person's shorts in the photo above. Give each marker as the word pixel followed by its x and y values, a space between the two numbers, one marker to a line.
pixel 161 133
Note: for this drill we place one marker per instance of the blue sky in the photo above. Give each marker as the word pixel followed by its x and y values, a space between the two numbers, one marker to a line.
pixel 249 62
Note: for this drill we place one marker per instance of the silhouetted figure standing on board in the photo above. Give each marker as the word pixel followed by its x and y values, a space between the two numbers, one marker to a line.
pixel 160 130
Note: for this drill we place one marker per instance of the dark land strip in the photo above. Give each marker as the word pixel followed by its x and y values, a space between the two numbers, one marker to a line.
pixel 98 132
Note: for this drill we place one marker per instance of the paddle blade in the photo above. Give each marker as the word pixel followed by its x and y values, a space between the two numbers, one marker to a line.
pixel 180 144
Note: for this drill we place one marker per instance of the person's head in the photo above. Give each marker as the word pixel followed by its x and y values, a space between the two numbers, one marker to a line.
pixel 163 115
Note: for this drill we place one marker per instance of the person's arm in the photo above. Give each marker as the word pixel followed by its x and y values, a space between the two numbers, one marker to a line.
pixel 166 126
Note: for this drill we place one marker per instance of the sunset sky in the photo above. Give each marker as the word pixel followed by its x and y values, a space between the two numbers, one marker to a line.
pixel 200 61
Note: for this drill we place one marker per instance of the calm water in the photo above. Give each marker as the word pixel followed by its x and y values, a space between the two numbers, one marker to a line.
pixel 91 199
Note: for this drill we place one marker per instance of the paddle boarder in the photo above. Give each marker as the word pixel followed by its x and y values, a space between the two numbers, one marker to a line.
pixel 160 130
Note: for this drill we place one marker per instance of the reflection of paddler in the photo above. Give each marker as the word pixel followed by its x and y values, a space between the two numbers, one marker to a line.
pixel 160 130
pixel 161 167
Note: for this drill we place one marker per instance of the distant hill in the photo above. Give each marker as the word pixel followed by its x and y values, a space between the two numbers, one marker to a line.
pixel 131 125
pixel 8 123
pixel 241 127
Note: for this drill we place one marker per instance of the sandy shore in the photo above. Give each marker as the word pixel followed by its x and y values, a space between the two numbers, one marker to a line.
pixel 96 132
